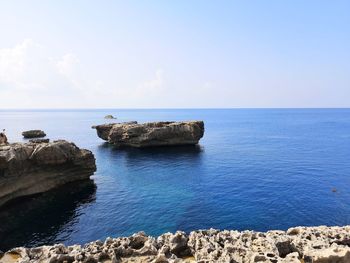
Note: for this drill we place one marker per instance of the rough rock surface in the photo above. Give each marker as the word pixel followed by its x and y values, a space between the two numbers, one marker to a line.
pixel 33 134
pixel 40 140
pixel 3 138
pixel 30 168
pixel 300 244
pixel 152 133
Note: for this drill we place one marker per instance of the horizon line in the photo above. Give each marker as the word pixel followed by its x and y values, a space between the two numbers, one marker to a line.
pixel 182 108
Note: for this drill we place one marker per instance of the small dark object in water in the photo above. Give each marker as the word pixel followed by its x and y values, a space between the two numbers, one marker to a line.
pixel 334 190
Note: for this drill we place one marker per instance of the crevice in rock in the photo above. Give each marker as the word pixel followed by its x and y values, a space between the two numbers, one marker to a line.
pixel 344 242
pixel 137 242
pixel 285 247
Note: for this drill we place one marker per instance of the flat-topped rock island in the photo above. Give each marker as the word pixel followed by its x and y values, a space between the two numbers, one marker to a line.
pixel 33 134
pixel 300 244
pixel 133 134
pixel 35 167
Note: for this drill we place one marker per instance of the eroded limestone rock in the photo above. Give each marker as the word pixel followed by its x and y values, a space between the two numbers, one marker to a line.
pixel 302 244
pixel 152 133
pixel 30 168
pixel 33 134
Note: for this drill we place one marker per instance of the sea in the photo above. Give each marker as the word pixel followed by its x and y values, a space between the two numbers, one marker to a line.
pixel 254 169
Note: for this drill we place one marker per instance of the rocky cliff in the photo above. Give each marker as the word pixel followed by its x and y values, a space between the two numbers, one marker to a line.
pixel 301 244
pixel 30 168
pixel 151 134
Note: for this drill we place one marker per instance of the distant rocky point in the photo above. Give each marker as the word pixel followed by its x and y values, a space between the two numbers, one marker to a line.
pixel 300 244
pixel 33 134
pixel 110 117
pixel 150 134
pixel 35 167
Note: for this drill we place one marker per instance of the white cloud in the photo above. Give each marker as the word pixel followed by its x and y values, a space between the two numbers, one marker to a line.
pixel 67 64
pixel 30 76
pixel 14 64
pixel 154 85
pixel 29 66
pixel 33 76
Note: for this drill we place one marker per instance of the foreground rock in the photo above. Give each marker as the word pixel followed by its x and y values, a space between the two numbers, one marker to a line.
pixel 33 134
pixel 301 244
pixel 152 133
pixel 30 168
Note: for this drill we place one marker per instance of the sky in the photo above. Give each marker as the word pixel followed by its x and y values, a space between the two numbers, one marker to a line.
pixel 174 54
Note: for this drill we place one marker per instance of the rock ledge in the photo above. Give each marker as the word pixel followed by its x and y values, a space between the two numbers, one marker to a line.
pixel 300 244
pixel 30 168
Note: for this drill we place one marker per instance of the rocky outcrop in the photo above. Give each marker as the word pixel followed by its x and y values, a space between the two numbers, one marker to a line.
pixel 33 134
pixel 301 244
pixel 30 168
pixel 110 117
pixel 3 139
pixel 152 133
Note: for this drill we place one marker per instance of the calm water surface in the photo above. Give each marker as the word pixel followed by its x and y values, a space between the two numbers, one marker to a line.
pixel 254 169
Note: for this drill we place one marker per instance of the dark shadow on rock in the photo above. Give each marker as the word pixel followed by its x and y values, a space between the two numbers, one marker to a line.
pixel 36 220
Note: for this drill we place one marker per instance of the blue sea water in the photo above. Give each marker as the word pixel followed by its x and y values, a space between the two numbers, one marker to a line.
pixel 256 169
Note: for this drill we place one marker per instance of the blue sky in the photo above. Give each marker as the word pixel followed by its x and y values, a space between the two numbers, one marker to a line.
pixel 174 54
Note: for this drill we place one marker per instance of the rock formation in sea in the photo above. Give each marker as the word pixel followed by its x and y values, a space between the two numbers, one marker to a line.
pixel 149 134
pixel 33 134
pixel 110 117
pixel 300 244
pixel 30 168
pixel 3 138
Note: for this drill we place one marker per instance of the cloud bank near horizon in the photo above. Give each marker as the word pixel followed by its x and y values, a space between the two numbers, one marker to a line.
pixel 174 55
pixel 31 76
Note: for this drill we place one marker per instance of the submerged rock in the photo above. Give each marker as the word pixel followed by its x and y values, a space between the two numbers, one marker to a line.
pixel 30 168
pixel 152 133
pixel 302 244
pixel 33 134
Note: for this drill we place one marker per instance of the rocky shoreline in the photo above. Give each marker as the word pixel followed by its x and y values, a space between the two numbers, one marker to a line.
pixel 300 244
pixel 36 167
